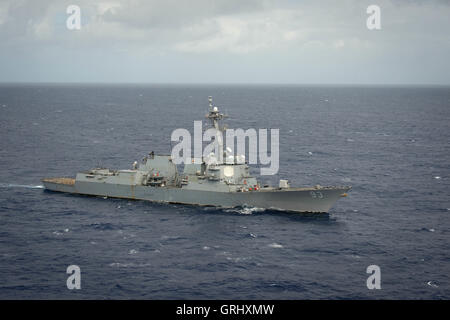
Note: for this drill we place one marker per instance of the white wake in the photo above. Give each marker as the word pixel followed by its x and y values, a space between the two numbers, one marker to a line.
pixel 12 185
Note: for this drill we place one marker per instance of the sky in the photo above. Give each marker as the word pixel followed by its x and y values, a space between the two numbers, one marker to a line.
pixel 226 41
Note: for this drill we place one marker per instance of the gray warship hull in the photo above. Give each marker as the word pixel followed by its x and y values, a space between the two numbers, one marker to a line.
pixel 313 199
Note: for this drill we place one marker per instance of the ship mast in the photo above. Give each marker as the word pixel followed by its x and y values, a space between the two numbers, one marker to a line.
pixel 215 116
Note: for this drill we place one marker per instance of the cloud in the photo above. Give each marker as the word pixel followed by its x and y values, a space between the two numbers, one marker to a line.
pixel 291 34
pixel 174 13
pixel 221 25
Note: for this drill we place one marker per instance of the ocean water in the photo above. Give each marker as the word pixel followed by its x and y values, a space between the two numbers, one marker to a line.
pixel 390 143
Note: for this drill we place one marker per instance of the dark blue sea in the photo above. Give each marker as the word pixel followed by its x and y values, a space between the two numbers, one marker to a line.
pixel 390 143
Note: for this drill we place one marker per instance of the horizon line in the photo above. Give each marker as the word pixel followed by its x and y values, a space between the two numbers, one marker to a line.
pixel 227 84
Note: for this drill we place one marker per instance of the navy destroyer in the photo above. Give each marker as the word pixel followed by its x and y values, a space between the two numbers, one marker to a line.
pixel 203 183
